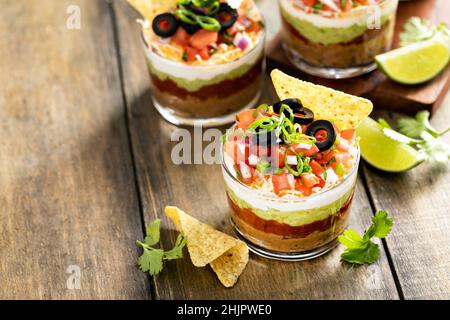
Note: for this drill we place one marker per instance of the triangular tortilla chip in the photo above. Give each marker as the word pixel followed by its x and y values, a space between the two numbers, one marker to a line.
pixel 227 255
pixel 150 8
pixel 230 265
pixel 345 110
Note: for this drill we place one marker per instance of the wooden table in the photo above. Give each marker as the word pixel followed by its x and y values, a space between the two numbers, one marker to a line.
pixel 85 164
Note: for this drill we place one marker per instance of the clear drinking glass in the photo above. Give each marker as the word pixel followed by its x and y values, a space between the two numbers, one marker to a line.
pixel 289 228
pixel 336 44
pixel 207 95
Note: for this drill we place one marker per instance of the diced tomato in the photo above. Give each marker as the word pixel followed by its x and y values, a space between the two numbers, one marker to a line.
pixel 325 157
pixel 281 182
pixel 321 183
pixel 309 179
pixel 239 151
pixel 304 127
pixel 203 38
pixel 204 53
pixel 349 135
pixel 317 169
pixel 181 37
pixel 191 54
pixel 306 152
pixel 309 3
pixel 245 118
pixel 299 186
pixel 253 27
pixel 347 6
pixel 277 156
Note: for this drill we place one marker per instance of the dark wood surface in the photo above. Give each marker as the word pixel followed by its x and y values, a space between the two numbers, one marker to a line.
pixel 85 164
pixel 385 93
pixel 68 195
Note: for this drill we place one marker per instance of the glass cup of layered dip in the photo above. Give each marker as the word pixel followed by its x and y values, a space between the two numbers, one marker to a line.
pixel 290 176
pixel 337 38
pixel 206 60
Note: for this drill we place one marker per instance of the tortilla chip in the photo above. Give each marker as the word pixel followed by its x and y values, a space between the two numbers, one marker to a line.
pixel 230 265
pixel 150 8
pixel 345 110
pixel 226 255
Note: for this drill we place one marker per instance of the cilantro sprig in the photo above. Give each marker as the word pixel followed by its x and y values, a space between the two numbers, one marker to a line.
pixel 362 250
pixel 418 132
pixel 417 29
pixel 152 258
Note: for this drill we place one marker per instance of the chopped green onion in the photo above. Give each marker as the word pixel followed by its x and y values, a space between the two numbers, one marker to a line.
pixel 208 23
pixel 300 166
pixel 340 169
pixel 185 57
pixel 262 166
pixel 186 15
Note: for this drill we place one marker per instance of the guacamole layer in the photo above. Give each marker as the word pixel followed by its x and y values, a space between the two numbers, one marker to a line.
pixel 328 36
pixel 293 218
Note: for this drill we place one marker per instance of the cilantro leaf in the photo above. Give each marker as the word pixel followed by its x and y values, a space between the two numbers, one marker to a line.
pixel 434 149
pixel 367 254
pixel 153 235
pixel 413 127
pixel 362 250
pixel 177 251
pixel 351 239
pixel 151 260
pixel 381 225
pixel 415 30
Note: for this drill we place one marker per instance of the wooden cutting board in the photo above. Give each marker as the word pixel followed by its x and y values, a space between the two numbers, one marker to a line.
pixel 384 93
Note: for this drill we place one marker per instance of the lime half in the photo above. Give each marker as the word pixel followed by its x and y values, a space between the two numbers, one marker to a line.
pixel 415 63
pixel 384 153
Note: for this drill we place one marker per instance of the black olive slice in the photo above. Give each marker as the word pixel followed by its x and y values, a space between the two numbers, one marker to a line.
pixel 303 116
pixel 322 125
pixel 291 103
pixel 189 28
pixel 165 25
pixel 226 16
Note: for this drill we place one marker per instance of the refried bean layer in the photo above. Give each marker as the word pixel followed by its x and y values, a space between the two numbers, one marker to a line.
pixel 358 52
pixel 210 101
pixel 275 236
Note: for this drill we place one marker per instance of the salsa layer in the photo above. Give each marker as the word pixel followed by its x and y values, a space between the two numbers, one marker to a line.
pixel 275 227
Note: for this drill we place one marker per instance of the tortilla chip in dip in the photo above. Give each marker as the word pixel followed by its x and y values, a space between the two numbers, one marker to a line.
pixel 226 255
pixel 345 110
pixel 149 9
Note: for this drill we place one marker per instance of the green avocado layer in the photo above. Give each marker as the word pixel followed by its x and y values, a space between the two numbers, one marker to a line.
pixel 293 218
pixel 197 84
pixel 328 36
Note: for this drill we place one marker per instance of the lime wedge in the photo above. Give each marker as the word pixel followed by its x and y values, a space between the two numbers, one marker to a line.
pixel 415 63
pixel 384 153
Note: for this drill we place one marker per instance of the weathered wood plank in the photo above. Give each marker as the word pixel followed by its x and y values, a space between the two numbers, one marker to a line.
pixel 199 190
pixel 420 201
pixel 68 194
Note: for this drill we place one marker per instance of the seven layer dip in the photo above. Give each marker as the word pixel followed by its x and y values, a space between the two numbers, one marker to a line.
pixel 290 179
pixel 337 38
pixel 205 73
